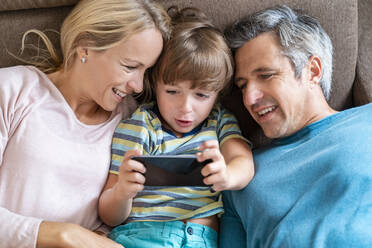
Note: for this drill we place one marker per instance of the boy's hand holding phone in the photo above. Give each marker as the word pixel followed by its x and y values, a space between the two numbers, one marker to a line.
pixel 131 178
pixel 216 172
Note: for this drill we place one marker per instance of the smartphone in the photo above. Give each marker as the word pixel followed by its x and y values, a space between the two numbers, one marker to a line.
pixel 172 170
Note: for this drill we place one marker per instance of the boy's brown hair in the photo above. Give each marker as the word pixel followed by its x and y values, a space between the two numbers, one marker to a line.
pixel 196 51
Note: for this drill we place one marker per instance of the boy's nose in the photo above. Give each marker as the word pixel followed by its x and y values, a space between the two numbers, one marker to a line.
pixel 186 104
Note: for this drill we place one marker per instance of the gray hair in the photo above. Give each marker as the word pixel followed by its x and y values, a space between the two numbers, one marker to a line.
pixel 300 36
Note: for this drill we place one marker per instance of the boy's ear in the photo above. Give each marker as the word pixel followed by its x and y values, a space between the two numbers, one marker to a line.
pixel 315 70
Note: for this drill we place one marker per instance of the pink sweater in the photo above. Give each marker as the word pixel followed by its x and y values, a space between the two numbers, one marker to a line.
pixel 52 166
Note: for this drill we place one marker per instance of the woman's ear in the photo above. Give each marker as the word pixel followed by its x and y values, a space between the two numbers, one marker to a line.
pixel 82 53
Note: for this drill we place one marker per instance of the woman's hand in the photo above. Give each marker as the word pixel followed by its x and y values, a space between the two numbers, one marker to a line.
pixel 67 235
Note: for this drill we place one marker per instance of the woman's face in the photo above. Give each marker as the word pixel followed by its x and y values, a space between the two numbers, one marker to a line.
pixel 110 75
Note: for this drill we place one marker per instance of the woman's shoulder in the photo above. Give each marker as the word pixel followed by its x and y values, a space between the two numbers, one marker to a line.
pixel 22 77
pixel 24 82
pixel 19 71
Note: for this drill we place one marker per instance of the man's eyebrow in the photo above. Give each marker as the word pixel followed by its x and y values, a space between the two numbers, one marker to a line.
pixel 263 69
pixel 258 70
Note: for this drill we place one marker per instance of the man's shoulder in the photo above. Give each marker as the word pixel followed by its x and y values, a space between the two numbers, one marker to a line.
pixel 347 128
pixel 354 118
pixel 367 108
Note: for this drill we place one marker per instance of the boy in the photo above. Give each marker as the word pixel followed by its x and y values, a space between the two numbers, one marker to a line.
pixel 195 67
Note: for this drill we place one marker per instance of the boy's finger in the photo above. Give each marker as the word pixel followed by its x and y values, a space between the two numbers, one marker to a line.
pixel 210 168
pixel 132 153
pixel 135 177
pixel 212 154
pixel 137 166
pixel 209 144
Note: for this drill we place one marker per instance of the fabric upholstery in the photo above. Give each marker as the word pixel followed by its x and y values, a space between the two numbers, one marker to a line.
pixel 33 4
pixel 346 21
pixel 362 91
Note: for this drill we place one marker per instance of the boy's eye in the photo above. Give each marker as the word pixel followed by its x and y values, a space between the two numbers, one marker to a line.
pixel 172 92
pixel 202 95
pixel 241 86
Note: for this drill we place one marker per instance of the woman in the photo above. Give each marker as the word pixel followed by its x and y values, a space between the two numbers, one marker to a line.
pixel 56 122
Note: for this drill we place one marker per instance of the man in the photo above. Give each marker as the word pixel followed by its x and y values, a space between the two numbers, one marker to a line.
pixel 313 183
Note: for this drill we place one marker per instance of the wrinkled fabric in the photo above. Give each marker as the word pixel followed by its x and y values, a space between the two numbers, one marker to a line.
pixel 312 189
pixel 52 166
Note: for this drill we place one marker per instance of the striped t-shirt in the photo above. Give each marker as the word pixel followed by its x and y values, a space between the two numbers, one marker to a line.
pixel 143 131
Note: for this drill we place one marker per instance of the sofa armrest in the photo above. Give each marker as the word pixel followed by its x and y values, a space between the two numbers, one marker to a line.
pixel 362 90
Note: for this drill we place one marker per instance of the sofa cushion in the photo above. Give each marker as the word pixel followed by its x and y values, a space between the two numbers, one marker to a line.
pixel 33 4
pixel 15 23
pixel 338 17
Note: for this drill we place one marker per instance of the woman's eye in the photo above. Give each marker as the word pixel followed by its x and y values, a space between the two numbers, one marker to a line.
pixel 131 68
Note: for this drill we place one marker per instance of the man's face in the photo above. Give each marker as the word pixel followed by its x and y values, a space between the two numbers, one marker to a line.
pixel 275 98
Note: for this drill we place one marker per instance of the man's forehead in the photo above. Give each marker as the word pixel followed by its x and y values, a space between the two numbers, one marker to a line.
pixel 259 56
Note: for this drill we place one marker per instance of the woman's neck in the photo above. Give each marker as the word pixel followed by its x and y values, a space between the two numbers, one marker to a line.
pixel 72 89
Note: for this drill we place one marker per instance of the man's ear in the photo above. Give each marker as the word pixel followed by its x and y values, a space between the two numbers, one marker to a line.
pixel 315 70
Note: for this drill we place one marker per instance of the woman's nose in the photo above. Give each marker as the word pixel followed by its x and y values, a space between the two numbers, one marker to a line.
pixel 136 84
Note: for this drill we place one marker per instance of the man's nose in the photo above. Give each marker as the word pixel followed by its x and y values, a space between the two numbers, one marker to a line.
pixel 252 94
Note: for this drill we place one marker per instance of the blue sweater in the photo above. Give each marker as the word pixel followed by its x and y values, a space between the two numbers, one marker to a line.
pixel 311 189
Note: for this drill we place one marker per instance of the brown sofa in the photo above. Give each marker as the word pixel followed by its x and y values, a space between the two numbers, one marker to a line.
pixel 346 21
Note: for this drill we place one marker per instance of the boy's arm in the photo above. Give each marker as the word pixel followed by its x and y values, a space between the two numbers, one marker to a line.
pixel 239 162
pixel 131 138
pixel 231 167
pixel 233 163
pixel 115 202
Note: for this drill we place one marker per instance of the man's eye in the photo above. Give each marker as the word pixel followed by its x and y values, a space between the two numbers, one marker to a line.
pixel 266 76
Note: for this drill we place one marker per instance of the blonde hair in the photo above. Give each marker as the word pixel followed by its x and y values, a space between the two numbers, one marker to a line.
pixel 100 25
pixel 197 52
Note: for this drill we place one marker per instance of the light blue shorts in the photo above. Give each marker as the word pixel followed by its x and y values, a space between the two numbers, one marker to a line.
pixel 164 234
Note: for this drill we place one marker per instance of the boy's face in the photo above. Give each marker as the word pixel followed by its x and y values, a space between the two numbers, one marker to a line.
pixel 183 108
